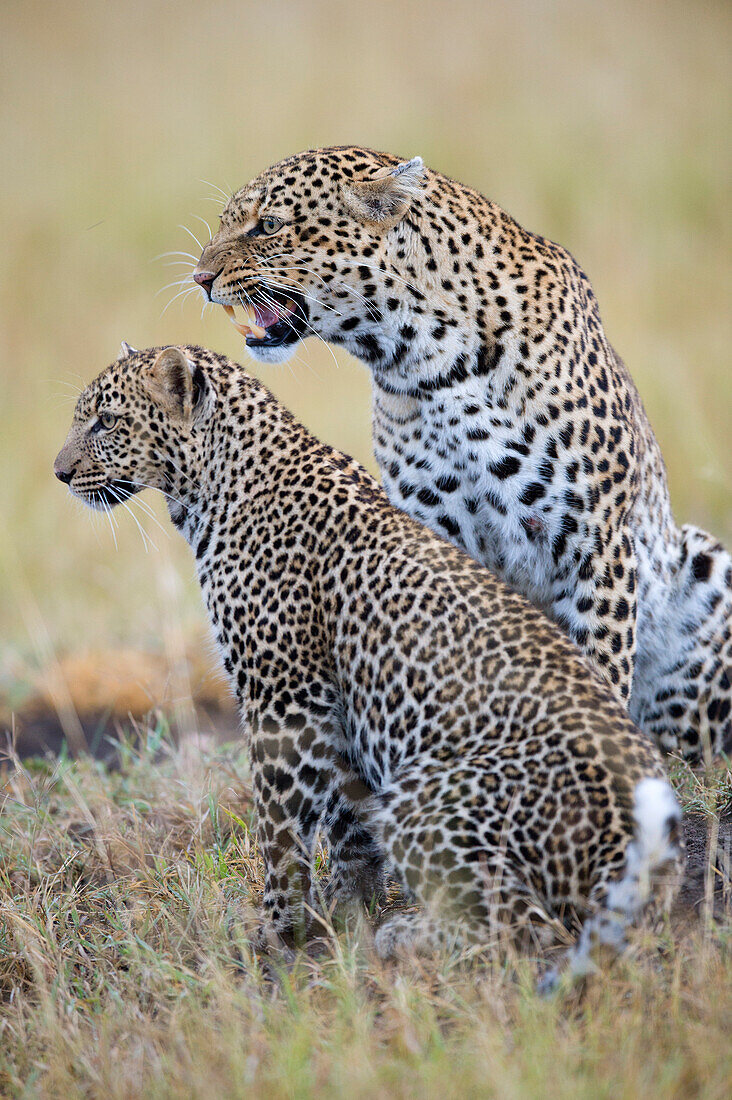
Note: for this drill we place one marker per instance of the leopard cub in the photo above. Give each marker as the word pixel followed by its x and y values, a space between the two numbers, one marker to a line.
pixel 398 697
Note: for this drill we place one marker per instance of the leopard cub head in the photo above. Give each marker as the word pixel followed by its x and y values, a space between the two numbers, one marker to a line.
pixel 120 438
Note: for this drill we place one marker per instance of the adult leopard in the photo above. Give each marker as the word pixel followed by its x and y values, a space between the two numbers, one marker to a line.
pixel 397 695
pixel 502 417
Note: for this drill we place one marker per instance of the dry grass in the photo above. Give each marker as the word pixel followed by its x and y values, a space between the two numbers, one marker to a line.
pixel 126 903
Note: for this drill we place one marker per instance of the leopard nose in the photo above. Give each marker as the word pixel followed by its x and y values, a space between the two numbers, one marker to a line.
pixel 206 280
pixel 63 475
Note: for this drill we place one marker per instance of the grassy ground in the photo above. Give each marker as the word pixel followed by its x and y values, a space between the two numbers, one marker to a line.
pixel 126 903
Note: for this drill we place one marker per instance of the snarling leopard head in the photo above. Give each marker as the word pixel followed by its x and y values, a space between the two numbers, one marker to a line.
pixel 321 244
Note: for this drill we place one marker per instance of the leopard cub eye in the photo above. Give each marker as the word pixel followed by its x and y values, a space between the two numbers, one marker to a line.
pixel 271 224
pixel 107 420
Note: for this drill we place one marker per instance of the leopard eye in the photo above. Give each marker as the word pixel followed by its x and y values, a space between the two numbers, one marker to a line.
pixel 271 225
pixel 107 420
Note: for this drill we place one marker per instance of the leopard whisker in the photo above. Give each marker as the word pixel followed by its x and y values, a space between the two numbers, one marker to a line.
pixel 181 294
pixel 143 534
pixel 64 400
pixel 363 263
pixel 220 190
pixel 298 288
pixel 191 234
pixel 392 275
pixel 112 524
pixel 369 306
pixel 148 512
pixel 177 252
pixel 204 222
pixel 170 496
pixel 325 344
pixel 65 382
pixel 177 282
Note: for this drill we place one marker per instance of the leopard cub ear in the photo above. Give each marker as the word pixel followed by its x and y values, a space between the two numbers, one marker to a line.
pixel 125 351
pixel 385 197
pixel 169 381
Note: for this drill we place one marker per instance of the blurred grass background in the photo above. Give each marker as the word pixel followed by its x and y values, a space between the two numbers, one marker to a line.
pixel 602 126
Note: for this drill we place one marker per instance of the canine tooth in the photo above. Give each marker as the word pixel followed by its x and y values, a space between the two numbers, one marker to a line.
pixel 245 329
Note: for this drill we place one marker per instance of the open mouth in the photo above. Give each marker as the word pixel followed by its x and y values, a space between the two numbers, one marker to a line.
pixel 114 492
pixel 283 320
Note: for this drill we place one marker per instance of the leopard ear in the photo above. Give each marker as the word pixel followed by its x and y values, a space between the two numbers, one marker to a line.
pixel 385 197
pixel 125 351
pixel 169 381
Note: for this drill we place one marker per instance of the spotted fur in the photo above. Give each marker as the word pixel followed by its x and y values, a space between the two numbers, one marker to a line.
pixel 397 696
pixel 502 416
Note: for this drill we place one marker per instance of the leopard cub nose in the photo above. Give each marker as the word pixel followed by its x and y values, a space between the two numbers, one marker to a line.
pixel 63 467
pixel 205 279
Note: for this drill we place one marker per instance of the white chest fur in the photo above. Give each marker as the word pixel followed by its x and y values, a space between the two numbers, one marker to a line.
pixel 507 491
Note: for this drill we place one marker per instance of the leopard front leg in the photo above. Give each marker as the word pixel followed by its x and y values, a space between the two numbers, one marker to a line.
pixel 301 784
pixel 288 810
pixel 595 601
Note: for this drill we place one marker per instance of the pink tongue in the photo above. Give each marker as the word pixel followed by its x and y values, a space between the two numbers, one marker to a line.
pixel 266 315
